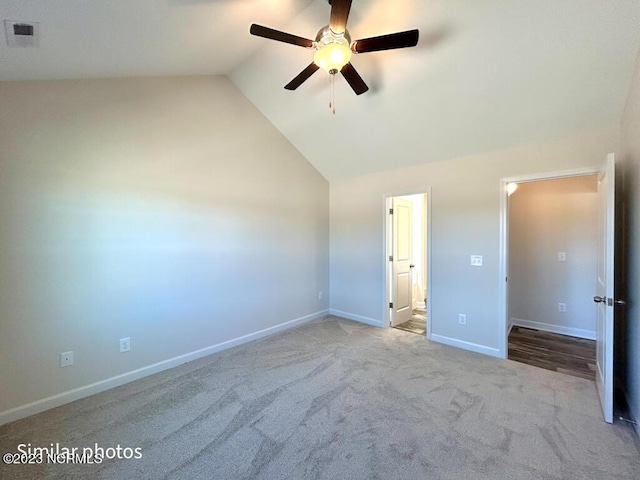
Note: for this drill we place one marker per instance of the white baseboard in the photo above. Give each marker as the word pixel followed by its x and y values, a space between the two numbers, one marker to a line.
pixel 510 328
pixel 472 347
pixel 85 391
pixel 357 318
pixel 548 327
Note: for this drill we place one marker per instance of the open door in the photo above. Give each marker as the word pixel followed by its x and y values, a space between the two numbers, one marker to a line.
pixel 402 286
pixel 605 287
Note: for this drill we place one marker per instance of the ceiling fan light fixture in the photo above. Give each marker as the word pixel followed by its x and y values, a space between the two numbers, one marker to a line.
pixel 331 57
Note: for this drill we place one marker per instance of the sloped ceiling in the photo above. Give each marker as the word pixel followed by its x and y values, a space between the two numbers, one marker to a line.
pixel 486 74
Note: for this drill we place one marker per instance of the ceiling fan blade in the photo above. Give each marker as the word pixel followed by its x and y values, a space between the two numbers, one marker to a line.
pixel 270 33
pixel 386 42
pixel 354 79
pixel 302 77
pixel 339 15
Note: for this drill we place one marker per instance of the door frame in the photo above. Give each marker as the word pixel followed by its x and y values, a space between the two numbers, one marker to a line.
pixel 386 242
pixel 503 294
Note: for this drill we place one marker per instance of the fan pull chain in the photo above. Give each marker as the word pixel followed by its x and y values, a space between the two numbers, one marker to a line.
pixel 332 93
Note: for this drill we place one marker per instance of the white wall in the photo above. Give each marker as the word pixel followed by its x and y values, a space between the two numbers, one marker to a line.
pixel 547 217
pixel 465 220
pixel 167 210
pixel 630 286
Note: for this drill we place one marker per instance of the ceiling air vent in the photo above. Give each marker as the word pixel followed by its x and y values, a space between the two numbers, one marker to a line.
pixel 22 34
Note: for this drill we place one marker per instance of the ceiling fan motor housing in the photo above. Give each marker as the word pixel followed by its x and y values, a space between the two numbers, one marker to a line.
pixel 326 35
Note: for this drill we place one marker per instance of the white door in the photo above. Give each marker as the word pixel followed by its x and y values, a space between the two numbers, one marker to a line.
pixel 605 293
pixel 402 284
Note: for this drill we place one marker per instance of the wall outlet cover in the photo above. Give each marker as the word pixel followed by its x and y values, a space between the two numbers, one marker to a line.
pixel 125 344
pixel 476 260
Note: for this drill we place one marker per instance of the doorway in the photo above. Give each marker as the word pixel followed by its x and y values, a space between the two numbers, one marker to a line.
pixel 553 245
pixel 407 262
pixel 604 298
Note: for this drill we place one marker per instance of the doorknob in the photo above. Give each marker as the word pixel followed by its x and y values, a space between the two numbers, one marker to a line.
pixel 599 299
pixel 412 266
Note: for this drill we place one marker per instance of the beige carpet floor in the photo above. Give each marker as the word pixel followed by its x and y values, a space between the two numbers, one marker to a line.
pixel 334 399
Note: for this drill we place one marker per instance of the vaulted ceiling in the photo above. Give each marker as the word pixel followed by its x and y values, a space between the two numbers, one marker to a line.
pixel 486 74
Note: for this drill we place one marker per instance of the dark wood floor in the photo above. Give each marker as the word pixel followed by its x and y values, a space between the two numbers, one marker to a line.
pixel 417 324
pixel 561 353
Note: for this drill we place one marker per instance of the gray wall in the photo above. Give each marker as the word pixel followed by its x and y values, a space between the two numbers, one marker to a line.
pixel 630 163
pixel 166 210
pixel 545 218
pixel 465 215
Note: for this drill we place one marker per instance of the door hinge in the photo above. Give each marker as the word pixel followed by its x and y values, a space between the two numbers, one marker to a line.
pixel 391 258
pixel 391 211
pixel 391 305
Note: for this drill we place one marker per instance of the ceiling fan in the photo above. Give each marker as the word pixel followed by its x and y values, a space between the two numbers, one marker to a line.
pixel 334 47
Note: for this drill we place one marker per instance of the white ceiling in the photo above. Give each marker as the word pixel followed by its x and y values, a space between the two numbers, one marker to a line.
pixel 123 38
pixel 486 74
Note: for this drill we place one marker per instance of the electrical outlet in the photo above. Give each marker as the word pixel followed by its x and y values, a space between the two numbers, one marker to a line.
pixel 562 307
pixel 462 319
pixel 125 344
pixel 476 260
pixel 320 295
pixel 66 359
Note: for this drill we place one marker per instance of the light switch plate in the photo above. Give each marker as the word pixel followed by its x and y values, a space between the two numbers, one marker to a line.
pixel 476 260
pixel 562 256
